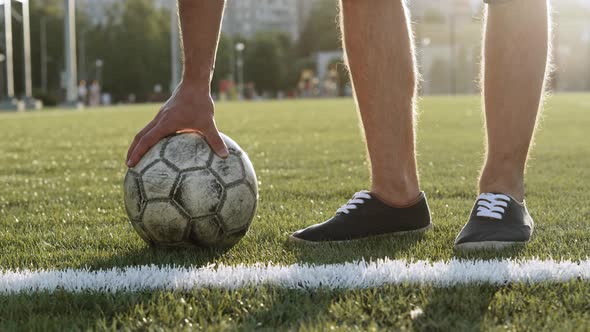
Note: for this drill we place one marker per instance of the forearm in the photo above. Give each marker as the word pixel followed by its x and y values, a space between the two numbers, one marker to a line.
pixel 200 22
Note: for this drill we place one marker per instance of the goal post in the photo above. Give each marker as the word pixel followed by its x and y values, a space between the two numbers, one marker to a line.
pixel 10 102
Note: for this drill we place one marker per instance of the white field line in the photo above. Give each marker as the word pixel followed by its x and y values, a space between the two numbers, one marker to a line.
pixel 352 275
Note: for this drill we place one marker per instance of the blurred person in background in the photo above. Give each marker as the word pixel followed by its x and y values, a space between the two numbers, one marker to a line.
pixel 94 99
pixel 106 99
pixel 82 92
pixel 380 54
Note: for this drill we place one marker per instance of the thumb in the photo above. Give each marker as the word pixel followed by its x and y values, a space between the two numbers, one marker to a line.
pixel 216 143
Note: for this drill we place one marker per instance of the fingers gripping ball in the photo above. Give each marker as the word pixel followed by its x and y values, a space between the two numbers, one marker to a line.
pixel 182 194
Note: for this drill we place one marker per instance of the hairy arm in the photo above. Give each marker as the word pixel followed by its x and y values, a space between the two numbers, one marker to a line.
pixel 190 108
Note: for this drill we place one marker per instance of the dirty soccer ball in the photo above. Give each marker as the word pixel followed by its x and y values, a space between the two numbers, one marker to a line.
pixel 182 194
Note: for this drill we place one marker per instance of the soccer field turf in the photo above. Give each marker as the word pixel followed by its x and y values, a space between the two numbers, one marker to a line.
pixel 61 207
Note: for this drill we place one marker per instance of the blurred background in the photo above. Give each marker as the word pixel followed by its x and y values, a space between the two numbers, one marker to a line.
pixel 74 52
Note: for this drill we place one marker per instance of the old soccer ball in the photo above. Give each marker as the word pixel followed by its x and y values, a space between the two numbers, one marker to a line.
pixel 182 194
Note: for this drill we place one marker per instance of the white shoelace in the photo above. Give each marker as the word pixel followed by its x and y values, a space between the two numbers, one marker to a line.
pixel 357 199
pixel 492 205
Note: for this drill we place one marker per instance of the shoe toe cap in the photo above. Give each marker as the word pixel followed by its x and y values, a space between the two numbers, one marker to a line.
pixel 307 234
pixel 493 233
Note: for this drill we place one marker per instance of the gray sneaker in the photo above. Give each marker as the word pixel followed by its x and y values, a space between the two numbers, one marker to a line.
pixel 497 221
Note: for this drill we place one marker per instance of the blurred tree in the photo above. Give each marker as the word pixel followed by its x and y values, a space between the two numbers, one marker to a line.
pixel 47 14
pixel 134 45
pixel 224 62
pixel 288 58
pixel 320 33
pixel 266 61
pixel 133 41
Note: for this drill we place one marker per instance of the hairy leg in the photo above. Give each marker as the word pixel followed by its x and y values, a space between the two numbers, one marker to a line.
pixel 380 56
pixel 516 51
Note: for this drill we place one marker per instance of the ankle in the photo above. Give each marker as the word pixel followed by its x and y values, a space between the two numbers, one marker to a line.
pixel 508 183
pixel 397 196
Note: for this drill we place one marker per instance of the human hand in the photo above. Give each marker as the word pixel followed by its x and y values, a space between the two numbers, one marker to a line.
pixel 189 109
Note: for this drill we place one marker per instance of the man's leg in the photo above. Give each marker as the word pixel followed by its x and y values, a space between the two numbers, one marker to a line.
pixel 515 62
pixel 516 48
pixel 380 55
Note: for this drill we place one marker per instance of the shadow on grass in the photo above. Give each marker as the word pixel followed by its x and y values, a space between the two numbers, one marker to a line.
pixel 368 249
pixel 515 251
pixel 320 253
pixel 455 308
pixel 194 257
pixel 463 307
pixel 61 310
pixel 247 309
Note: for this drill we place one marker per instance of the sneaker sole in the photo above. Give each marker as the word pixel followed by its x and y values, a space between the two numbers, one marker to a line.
pixel 392 234
pixel 483 245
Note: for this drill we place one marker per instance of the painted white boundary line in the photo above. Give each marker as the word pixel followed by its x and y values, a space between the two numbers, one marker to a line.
pixel 352 275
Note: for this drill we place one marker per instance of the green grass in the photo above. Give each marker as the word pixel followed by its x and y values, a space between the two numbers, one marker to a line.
pixel 61 206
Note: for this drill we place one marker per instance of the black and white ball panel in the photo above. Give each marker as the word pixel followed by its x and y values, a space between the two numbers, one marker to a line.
pixel 133 195
pixel 240 203
pixel 171 230
pixel 158 180
pixel 181 193
pixel 187 151
pixel 199 186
